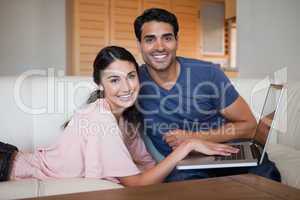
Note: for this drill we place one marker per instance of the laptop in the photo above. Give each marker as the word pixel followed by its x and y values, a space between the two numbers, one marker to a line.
pixel 251 151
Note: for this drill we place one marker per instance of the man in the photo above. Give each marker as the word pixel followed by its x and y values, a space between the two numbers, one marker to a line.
pixel 182 97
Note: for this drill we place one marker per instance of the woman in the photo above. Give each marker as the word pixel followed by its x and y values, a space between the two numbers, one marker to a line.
pixel 101 140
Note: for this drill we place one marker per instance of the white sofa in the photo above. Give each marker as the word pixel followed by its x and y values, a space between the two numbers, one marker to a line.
pixel 34 107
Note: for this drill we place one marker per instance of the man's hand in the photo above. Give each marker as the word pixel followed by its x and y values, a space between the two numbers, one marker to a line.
pixel 175 137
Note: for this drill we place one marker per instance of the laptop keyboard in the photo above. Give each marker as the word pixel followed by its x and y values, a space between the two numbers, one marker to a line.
pixel 236 156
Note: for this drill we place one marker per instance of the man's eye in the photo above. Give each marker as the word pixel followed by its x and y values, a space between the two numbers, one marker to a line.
pixel 131 76
pixel 169 38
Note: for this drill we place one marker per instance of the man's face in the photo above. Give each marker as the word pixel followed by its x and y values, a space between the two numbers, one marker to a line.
pixel 158 45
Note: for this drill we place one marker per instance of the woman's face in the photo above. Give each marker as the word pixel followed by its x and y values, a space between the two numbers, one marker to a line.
pixel 121 85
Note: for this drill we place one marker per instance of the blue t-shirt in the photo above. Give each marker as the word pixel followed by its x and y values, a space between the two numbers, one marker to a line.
pixel 193 103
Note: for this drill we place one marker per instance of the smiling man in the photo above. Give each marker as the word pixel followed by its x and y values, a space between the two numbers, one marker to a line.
pixel 182 97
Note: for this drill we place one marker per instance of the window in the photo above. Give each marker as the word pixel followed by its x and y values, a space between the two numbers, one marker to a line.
pixel 212 23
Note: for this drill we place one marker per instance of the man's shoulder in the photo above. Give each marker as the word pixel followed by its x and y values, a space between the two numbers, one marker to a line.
pixel 186 60
pixel 199 69
pixel 196 64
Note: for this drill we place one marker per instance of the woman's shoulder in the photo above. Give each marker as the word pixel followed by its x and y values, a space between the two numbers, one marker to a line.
pixel 92 119
pixel 100 105
pixel 99 108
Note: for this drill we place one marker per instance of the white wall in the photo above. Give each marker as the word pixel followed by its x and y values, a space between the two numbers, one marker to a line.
pixel 268 37
pixel 32 35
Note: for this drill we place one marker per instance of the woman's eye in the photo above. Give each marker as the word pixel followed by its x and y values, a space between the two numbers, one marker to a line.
pixel 149 40
pixel 114 80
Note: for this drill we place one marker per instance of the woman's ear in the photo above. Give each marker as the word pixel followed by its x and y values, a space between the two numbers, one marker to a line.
pixel 101 87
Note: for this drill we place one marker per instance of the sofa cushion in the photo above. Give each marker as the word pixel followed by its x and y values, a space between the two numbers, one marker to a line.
pixel 74 185
pixel 18 189
pixel 33 188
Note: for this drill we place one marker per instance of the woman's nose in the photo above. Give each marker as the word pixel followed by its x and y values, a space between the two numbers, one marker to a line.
pixel 125 85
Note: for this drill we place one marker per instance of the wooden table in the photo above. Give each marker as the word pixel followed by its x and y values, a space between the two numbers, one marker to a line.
pixel 238 187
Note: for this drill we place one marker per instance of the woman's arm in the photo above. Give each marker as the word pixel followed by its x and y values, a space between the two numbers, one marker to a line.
pixel 158 173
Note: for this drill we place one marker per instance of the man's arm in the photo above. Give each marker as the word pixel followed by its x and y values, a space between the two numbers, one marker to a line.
pixel 241 125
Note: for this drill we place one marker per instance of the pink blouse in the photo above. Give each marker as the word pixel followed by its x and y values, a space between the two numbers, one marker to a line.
pixel 93 145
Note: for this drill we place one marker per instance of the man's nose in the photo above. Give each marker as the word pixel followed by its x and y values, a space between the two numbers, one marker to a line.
pixel 160 45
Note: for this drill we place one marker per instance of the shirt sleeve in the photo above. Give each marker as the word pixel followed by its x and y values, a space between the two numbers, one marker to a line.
pixel 139 152
pixel 106 155
pixel 223 89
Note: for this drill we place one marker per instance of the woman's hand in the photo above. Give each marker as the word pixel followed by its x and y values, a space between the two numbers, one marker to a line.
pixel 179 137
pixel 212 148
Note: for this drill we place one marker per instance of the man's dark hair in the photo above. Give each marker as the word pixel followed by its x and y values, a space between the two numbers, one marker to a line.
pixel 155 14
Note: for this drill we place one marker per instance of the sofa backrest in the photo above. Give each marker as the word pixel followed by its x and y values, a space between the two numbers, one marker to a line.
pixel 287 121
pixel 290 113
pixel 34 108
pixel 16 126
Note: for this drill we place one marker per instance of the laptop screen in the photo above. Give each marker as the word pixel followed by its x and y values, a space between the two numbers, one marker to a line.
pixel 267 115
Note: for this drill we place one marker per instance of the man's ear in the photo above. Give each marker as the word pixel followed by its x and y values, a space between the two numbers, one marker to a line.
pixel 138 45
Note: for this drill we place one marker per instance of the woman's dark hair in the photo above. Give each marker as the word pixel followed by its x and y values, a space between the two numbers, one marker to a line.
pixel 105 57
pixel 155 14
